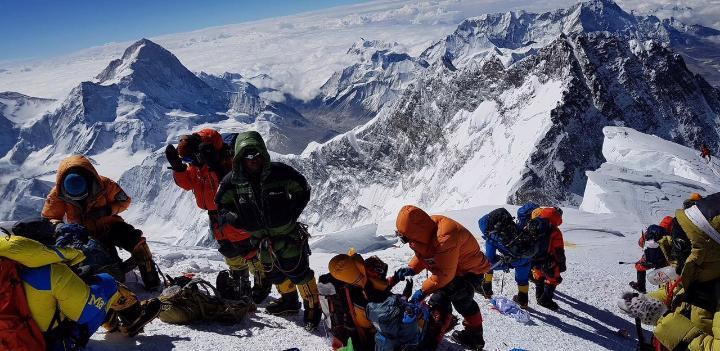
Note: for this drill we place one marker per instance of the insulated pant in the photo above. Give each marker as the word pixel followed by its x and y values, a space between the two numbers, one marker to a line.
pixel 549 274
pixel 286 258
pixel 120 234
pixel 460 292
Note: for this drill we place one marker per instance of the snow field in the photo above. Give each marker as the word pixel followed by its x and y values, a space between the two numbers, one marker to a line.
pixel 588 319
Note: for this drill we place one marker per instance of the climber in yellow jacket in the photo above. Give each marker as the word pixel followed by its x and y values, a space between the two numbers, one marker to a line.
pixel 696 245
pixel 693 299
pixel 66 308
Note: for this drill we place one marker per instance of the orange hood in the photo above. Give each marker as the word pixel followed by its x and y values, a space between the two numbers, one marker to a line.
pixel 552 214
pixel 211 136
pixel 416 225
pixel 77 162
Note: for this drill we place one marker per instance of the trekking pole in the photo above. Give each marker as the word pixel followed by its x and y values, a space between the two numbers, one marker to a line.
pixel 640 333
pixel 502 284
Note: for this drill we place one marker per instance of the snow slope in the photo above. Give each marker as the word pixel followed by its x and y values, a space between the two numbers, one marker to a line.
pixel 646 177
pixel 588 319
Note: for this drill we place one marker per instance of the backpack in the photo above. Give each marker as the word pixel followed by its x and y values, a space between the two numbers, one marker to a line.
pixel 655 233
pixel 18 330
pixel 195 300
pixel 498 225
pixel 524 214
pixel 396 329
pixel 99 258
pixel 336 301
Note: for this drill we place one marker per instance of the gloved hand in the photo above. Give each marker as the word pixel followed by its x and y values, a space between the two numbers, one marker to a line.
pixel 226 217
pixel 403 273
pixel 85 272
pixel 418 296
pixel 173 158
pixel 647 309
pixel 100 212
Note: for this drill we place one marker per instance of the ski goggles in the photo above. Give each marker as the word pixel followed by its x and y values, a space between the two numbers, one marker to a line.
pixel 252 155
pixel 188 159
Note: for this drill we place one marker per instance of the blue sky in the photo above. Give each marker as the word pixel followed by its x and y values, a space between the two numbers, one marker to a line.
pixel 42 28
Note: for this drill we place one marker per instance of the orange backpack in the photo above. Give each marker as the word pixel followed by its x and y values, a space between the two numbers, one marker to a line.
pixel 18 330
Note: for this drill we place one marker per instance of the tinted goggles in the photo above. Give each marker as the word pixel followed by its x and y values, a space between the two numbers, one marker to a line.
pixel 252 155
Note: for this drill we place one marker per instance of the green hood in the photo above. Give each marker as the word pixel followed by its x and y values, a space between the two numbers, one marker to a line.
pixel 245 140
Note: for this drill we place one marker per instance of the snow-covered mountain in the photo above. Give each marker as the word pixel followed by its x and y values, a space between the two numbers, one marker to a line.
pixel 22 198
pixel 646 177
pixel 489 133
pixel 136 105
pixel 21 109
pixel 18 110
pixel 513 35
pixel 354 95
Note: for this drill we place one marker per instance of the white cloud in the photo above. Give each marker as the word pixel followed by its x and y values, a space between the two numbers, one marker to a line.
pixel 704 12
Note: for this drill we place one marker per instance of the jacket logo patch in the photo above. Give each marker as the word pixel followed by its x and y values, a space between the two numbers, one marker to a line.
pixel 98 302
pixel 429 261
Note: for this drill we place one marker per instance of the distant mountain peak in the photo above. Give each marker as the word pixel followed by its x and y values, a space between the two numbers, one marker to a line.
pixel 143 52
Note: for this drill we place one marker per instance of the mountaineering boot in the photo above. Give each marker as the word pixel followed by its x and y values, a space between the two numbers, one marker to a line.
pixel 130 315
pixel 522 296
pixel 539 290
pixel 261 286
pixel 486 286
pixel 639 285
pixel 260 290
pixel 472 336
pixel 311 301
pixel 288 302
pixel 146 265
pixel 546 300
pixel 233 284
pixel 134 318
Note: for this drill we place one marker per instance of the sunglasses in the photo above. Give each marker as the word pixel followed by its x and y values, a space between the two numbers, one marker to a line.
pixel 403 239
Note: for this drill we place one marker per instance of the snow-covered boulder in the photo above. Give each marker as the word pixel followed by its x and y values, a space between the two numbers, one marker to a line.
pixel 646 177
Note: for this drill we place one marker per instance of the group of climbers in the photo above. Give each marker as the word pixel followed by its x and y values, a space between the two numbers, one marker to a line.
pixel 253 206
pixel 684 253
pixel 363 313
pixel 69 268
pixel 72 274
pixel 532 245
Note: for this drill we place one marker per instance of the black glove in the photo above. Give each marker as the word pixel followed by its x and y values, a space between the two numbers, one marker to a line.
pixel 226 217
pixel 173 158
pixel 99 212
